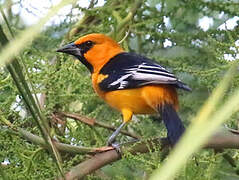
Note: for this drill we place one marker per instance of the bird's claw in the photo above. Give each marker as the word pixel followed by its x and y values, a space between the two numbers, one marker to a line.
pixel 111 142
pixel 116 146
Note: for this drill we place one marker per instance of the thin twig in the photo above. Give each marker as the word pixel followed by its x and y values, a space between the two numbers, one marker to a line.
pixel 93 122
pixel 61 146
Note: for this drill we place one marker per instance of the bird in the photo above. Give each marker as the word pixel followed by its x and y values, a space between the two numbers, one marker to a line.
pixel 130 83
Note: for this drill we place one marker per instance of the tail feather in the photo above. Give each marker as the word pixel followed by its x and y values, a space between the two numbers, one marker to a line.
pixel 172 122
pixel 183 86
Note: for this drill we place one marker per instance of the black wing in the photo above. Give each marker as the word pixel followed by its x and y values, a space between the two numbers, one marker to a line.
pixel 129 70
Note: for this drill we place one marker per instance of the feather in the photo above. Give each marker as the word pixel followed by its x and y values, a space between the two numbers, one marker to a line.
pixel 129 70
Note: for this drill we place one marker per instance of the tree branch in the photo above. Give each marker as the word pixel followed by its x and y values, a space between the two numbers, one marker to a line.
pixel 94 122
pixel 221 140
pixel 224 139
pixel 61 146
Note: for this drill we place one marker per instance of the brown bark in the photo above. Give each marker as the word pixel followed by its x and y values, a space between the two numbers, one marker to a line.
pixel 221 140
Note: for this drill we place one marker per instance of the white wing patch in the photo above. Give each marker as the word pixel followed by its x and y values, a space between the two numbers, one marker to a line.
pixel 152 77
pixel 123 83
pixel 151 73
pixel 145 74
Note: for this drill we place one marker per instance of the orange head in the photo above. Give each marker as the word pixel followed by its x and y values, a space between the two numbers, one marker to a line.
pixel 93 50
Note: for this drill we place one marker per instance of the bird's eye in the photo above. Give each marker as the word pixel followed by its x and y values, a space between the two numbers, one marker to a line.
pixel 88 43
pixel 86 46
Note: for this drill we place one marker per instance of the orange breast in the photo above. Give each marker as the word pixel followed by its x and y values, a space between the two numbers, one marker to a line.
pixel 143 100
pixel 131 99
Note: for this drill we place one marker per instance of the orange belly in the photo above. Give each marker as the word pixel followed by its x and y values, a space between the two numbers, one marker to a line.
pixel 129 99
pixel 143 100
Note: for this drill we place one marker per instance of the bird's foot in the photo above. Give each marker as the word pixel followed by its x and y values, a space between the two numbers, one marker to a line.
pixel 116 146
pixel 111 142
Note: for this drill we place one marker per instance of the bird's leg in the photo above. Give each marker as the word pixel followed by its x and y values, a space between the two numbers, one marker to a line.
pixel 127 116
pixel 112 138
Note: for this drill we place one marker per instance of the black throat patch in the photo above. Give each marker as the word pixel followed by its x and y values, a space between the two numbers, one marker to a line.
pixel 85 62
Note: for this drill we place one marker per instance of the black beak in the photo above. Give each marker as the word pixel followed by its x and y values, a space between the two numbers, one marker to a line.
pixel 74 50
pixel 70 49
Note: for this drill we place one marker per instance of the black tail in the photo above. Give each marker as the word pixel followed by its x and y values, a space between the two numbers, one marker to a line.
pixel 172 122
pixel 183 86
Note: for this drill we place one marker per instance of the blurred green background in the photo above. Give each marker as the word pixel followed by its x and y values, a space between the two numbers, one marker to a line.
pixel 196 40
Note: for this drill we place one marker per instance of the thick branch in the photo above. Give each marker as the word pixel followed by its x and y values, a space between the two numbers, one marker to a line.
pixel 223 139
pixel 220 140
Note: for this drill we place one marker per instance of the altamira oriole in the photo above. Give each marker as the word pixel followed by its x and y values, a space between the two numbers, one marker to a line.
pixel 128 82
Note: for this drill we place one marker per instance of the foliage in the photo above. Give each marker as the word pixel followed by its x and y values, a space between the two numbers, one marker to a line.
pixel 196 56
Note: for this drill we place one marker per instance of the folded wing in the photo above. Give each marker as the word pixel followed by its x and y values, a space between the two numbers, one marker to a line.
pixel 129 70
